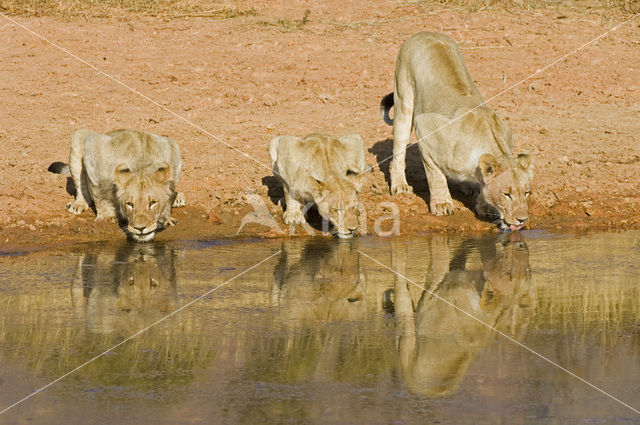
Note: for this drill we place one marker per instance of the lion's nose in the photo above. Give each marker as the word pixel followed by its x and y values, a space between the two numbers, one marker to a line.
pixel 140 229
pixel 522 220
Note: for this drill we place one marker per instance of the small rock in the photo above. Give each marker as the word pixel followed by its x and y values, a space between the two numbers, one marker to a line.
pixel 268 100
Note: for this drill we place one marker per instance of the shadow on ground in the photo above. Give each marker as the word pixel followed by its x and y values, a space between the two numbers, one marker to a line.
pixel 276 195
pixel 416 176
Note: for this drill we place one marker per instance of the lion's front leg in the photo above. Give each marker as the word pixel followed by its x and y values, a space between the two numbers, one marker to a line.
pixel 165 219
pixel 293 214
pixel 105 210
pixel 440 201
pixel 168 221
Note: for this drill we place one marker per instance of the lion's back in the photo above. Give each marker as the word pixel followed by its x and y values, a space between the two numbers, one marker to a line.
pixel 103 153
pixel 314 155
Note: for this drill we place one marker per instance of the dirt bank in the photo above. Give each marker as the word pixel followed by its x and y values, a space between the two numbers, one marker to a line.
pixel 283 70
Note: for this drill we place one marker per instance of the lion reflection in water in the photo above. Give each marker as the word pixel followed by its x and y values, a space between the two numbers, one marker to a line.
pixel 319 280
pixel 437 342
pixel 124 288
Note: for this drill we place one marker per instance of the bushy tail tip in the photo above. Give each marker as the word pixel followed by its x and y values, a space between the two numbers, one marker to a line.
pixel 385 106
pixel 59 168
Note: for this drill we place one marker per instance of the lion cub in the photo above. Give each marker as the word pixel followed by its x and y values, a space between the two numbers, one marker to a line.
pixel 460 138
pixel 324 170
pixel 127 175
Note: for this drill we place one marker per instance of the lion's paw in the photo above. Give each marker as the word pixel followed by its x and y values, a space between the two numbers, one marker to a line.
pixel 109 216
pixel 77 206
pixel 402 187
pixel 293 217
pixel 443 208
pixel 179 201
pixel 169 221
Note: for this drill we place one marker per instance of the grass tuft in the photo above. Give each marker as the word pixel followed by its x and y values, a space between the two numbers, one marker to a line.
pixel 69 9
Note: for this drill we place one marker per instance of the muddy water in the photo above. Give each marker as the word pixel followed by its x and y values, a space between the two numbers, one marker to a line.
pixel 323 332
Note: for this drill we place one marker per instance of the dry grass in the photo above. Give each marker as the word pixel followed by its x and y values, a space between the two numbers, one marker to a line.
pixel 632 6
pixel 225 9
pixel 108 8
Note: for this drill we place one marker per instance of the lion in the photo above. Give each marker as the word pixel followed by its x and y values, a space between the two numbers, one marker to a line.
pixel 460 138
pixel 324 170
pixel 126 175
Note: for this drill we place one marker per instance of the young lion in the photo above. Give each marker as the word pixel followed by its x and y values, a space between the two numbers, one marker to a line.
pixel 324 170
pixel 460 138
pixel 128 175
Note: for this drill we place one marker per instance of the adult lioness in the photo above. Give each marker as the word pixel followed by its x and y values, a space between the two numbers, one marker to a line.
pixel 128 175
pixel 324 170
pixel 460 138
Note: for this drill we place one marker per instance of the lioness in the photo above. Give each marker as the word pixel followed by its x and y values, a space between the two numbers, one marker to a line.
pixel 460 138
pixel 128 175
pixel 324 170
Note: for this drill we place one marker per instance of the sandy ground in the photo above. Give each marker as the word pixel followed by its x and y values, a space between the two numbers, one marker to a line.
pixel 242 81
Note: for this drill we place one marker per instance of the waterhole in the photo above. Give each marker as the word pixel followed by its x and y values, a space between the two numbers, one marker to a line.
pixel 512 328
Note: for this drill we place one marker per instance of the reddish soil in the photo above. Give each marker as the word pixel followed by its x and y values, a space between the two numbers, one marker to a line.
pixel 247 79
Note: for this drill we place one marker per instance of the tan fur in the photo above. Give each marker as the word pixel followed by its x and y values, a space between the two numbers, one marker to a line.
pixel 127 175
pixel 323 170
pixel 437 342
pixel 459 136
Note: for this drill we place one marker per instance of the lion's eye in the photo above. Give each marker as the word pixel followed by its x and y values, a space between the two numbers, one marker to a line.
pixel 130 204
pixel 507 195
pixel 152 203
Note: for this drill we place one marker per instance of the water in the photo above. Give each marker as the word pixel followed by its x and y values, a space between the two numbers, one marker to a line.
pixel 324 332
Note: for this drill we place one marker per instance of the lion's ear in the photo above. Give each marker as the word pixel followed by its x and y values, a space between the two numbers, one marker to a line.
pixel 489 166
pixel 122 174
pixel 163 173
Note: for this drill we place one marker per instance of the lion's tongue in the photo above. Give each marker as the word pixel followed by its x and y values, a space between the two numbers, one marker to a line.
pixel 514 228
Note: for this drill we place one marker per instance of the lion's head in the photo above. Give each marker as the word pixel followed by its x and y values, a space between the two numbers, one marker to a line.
pixel 337 201
pixel 142 197
pixel 505 190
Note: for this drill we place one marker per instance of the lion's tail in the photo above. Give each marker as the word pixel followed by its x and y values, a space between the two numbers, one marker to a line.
pixel 385 106
pixel 59 168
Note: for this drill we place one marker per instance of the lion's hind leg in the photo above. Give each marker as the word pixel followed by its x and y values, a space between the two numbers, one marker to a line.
pixel 179 200
pixel 77 173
